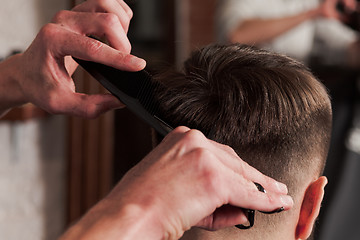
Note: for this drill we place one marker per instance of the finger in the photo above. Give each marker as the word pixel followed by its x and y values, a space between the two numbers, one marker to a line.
pixel 249 172
pixel 175 135
pixel 172 142
pixel 97 24
pixel 70 43
pixel 191 139
pixel 121 9
pixel 225 186
pixel 269 184
pixel 93 50
pixel 242 194
pixel 350 4
pixel 126 8
pixel 188 140
pixel 229 157
pixel 86 106
pixel 224 216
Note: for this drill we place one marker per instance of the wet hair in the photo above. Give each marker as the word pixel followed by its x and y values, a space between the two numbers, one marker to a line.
pixel 268 107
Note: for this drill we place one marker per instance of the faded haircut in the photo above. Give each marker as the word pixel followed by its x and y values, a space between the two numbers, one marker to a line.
pixel 268 107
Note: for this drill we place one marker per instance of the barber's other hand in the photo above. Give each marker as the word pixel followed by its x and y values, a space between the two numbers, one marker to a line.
pixel 328 8
pixel 184 182
pixel 45 68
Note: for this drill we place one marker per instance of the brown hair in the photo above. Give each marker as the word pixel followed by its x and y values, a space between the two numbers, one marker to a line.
pixel 269 108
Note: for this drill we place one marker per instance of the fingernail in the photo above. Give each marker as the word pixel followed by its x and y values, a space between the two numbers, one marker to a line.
pixel 138 62
pixel 286 200
pixel 282 187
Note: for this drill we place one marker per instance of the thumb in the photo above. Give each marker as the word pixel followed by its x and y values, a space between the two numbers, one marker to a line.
pixel 89 106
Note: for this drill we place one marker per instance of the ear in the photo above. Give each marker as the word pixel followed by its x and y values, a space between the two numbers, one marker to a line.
pixel 310 208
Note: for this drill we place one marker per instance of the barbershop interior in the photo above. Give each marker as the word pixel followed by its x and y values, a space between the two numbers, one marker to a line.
pixel 55 167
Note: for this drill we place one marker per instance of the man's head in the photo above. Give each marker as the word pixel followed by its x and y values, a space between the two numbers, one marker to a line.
pixel 272 111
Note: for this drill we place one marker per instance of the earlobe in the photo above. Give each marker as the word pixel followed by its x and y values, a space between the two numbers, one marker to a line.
pixel 310 208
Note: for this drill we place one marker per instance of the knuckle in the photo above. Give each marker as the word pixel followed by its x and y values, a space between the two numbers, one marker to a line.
pixel 241 167
pixel 110 20
pixel 181 129
pixel 192 139
pixel 48 31
pixel 229 150
pixel 93 46
pixel 91 112
pixel 104 3
pixel 273 200
pixel 126 59
pixel 194 135
pixel 211 179
pixel 213 182
pixel 126 48
pixel 126 21
pixel 85 108
pixel 129 12
pixel 202 155
pixel 178 131
pixel 60 16
pixel 204 165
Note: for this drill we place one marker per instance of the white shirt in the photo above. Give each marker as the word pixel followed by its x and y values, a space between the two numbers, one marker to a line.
pixel 299 42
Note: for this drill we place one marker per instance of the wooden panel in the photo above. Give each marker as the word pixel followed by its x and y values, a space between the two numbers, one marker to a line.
pixel 202 22
pixel 90 155
pixel 195 26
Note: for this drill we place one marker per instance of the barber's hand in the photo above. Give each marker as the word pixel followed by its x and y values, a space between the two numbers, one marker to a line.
pixel 184 182
pixel 328 8
pixel 45 77
pixel 350 5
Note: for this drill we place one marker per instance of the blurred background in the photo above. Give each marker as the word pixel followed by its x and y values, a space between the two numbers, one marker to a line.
pixel 54 168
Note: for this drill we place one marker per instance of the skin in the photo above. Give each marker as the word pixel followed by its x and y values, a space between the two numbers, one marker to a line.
pixel 157 199
pixel 42 74
pixel 149 204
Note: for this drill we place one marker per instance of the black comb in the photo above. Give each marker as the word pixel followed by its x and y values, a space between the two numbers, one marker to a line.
pixel 134 89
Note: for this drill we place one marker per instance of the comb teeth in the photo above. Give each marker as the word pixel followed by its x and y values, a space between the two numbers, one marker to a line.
pixel 146 94
pixel 134 89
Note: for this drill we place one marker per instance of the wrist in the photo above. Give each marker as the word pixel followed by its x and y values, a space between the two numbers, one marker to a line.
pixel 139 222
pixel 10 90
pixel 148 220
pixel 106 221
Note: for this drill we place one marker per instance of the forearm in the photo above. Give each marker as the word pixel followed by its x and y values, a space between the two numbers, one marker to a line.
pixel 127 222
pixel 10 90
pixel 258 31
